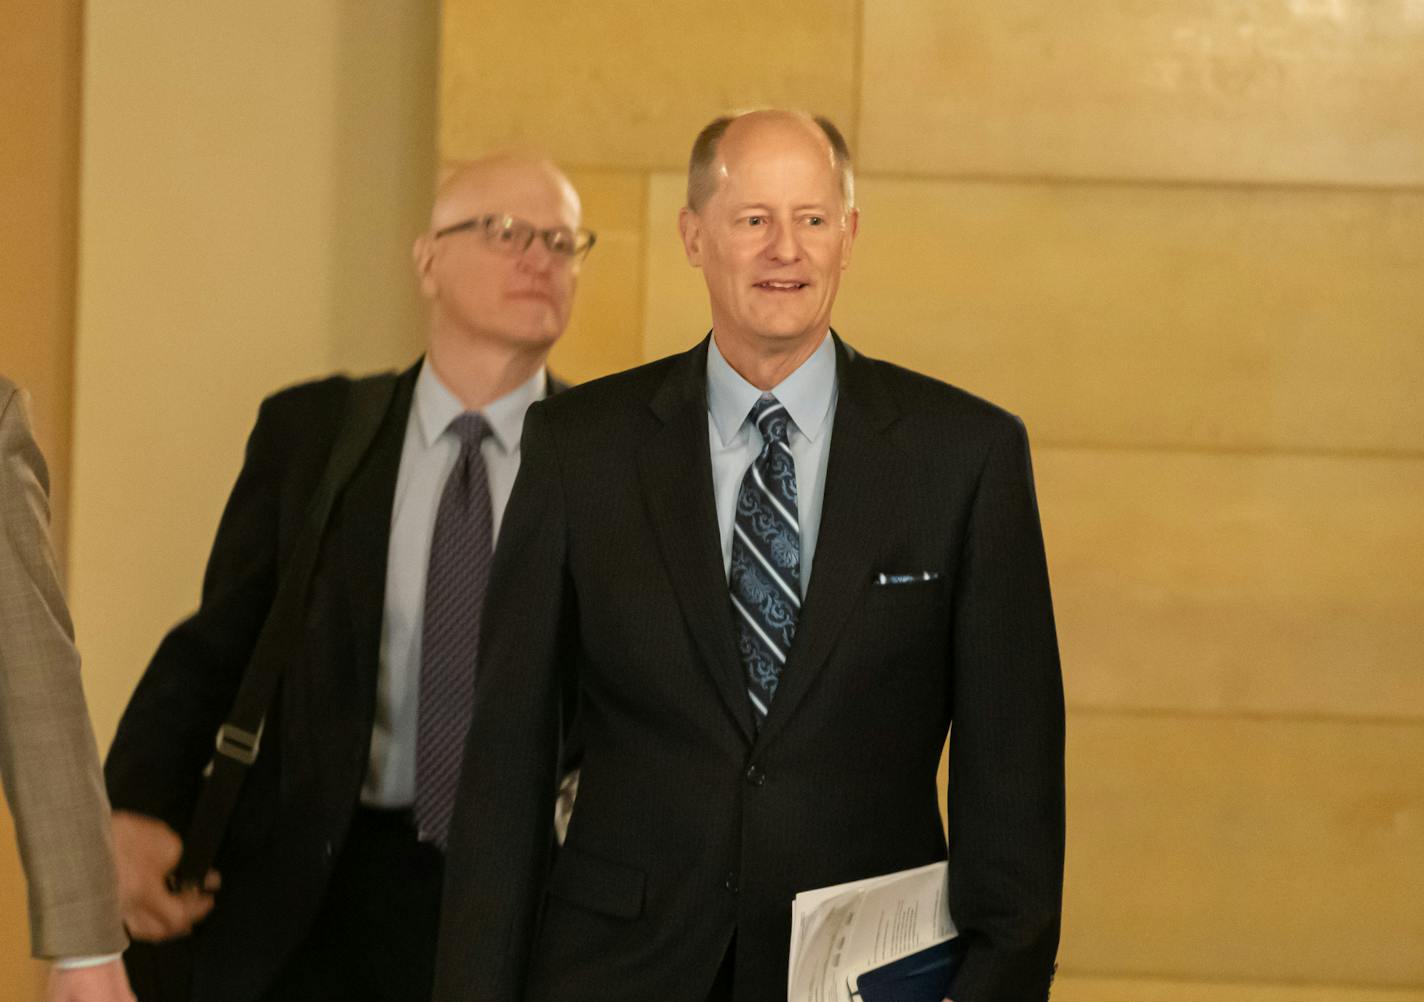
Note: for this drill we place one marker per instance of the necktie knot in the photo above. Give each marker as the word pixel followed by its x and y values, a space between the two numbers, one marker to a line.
pixel 771 419
pixel 470 428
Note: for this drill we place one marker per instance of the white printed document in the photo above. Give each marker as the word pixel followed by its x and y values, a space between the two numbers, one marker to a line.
pixel 840 932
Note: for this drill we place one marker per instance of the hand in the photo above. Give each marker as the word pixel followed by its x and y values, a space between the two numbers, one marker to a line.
pixel 147 850
pixel 101 983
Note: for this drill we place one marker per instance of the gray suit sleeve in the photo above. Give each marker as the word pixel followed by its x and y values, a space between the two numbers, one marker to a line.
pixel 48 756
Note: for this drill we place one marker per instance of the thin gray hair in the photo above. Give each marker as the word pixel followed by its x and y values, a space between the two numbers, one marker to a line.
pixel 702 184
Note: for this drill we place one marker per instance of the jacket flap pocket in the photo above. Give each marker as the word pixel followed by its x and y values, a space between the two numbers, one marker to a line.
pixel 597 884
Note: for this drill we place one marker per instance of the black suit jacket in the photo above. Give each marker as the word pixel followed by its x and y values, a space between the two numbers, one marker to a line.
pixel 298 800
pixel 691 827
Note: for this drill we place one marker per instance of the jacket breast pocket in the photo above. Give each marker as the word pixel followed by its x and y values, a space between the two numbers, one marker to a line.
pixel 912 592
pixel 901 625
pixel 597 884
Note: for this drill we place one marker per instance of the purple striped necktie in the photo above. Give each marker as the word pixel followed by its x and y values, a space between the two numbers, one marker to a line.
pixel 460 550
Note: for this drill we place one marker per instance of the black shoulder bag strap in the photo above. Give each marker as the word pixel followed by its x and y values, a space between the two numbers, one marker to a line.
pixel 240 738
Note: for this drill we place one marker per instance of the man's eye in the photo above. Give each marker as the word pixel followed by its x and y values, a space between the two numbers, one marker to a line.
pixel 756 220
pixel 816 220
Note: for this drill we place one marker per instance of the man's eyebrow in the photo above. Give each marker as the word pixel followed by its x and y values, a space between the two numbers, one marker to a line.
pixel 820 207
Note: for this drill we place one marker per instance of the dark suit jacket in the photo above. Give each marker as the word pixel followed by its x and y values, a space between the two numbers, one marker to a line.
pixel 300 795
pixel 299 798
pixel 691 828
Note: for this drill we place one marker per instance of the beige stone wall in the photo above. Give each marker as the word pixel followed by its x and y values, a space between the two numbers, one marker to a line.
pixel 1186 242
pixel 39 164
pixel 248 181
pixel 252 177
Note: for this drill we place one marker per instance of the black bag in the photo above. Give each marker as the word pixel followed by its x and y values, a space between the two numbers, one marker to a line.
pixel 163 972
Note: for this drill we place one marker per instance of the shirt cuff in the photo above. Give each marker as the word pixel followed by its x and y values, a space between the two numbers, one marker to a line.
pixel 75 963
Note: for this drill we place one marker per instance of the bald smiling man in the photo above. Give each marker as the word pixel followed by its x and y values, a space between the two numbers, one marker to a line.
pixel 777 571
pixel 327 886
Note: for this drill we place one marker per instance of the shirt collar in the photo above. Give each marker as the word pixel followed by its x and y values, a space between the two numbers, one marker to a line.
pixel 807 394
pixel 436 407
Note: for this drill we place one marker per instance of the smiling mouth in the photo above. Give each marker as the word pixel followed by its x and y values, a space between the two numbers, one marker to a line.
pixel 781 286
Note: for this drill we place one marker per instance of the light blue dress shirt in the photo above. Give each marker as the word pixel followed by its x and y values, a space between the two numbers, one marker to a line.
pixel 809 396
pixel 427 456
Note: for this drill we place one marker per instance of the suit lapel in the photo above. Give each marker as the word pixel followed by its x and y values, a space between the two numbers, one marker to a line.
pixel 365 528
pixel 365 525
pixel 862 460
pixel 684 518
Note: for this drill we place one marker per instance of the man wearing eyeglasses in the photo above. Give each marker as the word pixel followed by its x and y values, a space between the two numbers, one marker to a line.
pixel 331 868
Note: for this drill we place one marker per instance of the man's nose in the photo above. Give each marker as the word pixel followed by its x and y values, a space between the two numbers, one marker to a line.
pixel 537 257
pixel 783 245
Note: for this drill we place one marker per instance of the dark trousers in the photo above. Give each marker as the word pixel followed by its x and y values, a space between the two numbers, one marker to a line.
pixel 374 940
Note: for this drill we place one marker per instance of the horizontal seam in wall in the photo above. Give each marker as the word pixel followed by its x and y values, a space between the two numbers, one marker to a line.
pixel 1253 716
pixel 1068 971
pixel 1188 448
pixel 1228 184
pixel 1037 180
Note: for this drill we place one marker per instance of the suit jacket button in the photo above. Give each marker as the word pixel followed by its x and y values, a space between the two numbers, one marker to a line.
pixel 756 775
pixel 731 882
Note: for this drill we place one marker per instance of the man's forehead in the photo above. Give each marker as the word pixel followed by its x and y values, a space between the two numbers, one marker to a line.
pixel 504 184
pixel 776 149
pixel 790 171
pixel 763 134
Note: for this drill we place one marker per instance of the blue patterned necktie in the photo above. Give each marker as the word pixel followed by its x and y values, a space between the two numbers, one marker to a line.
pixel 460 550
pixel 765 578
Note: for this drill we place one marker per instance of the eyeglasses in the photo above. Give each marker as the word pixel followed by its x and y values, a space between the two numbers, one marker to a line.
pixel 513 236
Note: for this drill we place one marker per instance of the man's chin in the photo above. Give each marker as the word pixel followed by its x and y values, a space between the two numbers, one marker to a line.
pixel 789 335
pixel 540 336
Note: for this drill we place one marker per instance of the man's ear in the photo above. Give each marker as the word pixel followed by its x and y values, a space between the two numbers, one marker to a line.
pixel 852 228
pixel 847 238
pixel 689 224
pixel 422 255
